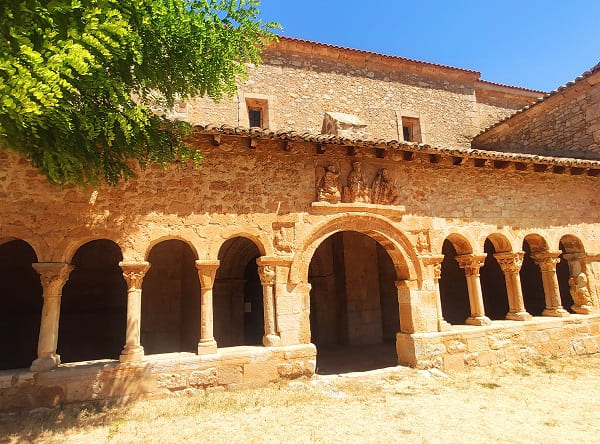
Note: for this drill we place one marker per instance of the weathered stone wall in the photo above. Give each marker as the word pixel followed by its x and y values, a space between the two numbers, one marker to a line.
pixel 495 103
pixel 301 87
pixel 510 342
pixel 565 124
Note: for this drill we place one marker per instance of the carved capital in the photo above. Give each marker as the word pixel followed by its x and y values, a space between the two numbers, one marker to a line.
pixel 134 273
pixel 547 260
pixel 266 274
pixel 53 276
pixel 207 270
pixel 471 263
pixel 510 262
pixel 436 263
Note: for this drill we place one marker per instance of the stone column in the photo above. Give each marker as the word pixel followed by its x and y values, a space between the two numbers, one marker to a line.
pixel 207 271
pixel 471 264
pixel 53 276
pixel 436 264
pixel 266 273
pixel 547 261
pixel 134 273
pixel 579 287
pixel 511 264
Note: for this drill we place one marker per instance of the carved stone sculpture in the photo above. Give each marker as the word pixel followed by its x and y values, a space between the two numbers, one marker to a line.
pixel 581 295
pixel 357 189
pixel 328 189
pixel 383 191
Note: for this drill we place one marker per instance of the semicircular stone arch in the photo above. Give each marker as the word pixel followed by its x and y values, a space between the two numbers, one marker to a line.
pixel 462 242
pixel 190 239
pixel 396 244
pixel 259 239
pixel 502 242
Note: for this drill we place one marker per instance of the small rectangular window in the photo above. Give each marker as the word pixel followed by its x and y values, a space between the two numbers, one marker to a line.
pixel 411 130
pixel 255 117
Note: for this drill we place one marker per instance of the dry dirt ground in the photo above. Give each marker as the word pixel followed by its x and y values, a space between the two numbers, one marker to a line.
pixel 546 401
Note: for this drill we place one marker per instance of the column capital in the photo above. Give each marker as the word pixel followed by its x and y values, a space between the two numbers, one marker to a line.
pixel 435 260
pixel 53 274
pixel 134 272
pixel 510 262
pixel 471 263
pixel 207 270
pixel 547 260
pixel 266 274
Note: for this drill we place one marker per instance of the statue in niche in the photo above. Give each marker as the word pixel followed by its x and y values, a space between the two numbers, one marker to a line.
pixel 581 294
pixel 328 189
pixel 384 191
pixel 357 189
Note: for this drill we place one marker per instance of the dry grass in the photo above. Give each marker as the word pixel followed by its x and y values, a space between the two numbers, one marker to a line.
pixel 546 401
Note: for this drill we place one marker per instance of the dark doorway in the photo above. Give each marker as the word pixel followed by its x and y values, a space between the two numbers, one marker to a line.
pixel 93 311
pixel 354 313
pixel 238 295
pixel 493 285
pixel 454 292
pixel 563 274
pixel 21 295
pixel 171 300
pixel 531 283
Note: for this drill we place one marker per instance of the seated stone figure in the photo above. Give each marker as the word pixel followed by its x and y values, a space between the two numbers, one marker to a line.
pixel 383 191
pixel 582 299
pixel 357 189
pixel 329 189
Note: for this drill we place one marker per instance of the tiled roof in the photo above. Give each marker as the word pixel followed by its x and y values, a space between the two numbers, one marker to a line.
pixel 520 88
pixel 458 153
pixel 386 56
pixel 558 90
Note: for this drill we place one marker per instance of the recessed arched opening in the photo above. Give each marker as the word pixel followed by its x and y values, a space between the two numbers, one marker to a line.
pixel 454 293
pixel 171 300
pixel 531 275
pixel 354 314
pixel 493 284
pixel 22 300
pixel 93 312
pixel 237 295
pixel 569 266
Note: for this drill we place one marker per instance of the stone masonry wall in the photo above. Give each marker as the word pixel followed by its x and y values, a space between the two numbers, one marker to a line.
pixel 301 88
pixel 565 124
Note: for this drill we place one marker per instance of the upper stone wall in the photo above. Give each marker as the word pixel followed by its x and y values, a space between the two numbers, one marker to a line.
pixel 300 84
pixel 566 123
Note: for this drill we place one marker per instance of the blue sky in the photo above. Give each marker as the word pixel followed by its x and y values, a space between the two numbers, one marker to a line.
pixel 534 44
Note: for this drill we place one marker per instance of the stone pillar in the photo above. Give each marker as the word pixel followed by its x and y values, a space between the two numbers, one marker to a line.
pixel 471 264
pixel 436 264
pixel 511 263
pixel 547 261
pixel 583 302
pixel 207 271
pixel 134 273
pixel 266 272
pixel 53 276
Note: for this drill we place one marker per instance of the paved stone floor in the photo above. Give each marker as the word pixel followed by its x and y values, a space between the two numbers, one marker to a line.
pixel 355 358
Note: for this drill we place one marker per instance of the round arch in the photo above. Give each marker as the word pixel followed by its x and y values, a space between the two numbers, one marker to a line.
pixel 463 243
pixel 537 243
pixel 571 243
pixel 67 249
pixel 396 244
pixel 178 237
pixel 502 242
pixel 259 239
pixel 39 246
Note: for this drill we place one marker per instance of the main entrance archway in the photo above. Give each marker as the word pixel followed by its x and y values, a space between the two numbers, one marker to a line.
pixel 354 315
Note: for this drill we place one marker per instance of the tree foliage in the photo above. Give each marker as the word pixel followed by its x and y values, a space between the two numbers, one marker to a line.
pixel 77 78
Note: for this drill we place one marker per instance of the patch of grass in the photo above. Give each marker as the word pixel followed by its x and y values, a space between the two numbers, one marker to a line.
pixel 490 385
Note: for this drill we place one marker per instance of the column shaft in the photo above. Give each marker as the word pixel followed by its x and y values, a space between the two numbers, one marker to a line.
pixel 511 263
pixel 207 271
pixel 53 276
pixel 471 264
pixel 134 273
pixel 267 273
pixel 547 261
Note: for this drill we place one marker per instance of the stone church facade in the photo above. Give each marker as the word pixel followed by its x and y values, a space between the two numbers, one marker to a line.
pixel 339 208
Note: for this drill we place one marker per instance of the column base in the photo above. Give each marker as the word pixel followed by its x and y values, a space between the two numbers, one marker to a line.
pixel 207 347
pixel 583 309
pixel 478 320
pixel 271 340
pixel 443 325
pixel 518 316
pixel 46 363
pixel 132 355
pixel 558 312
